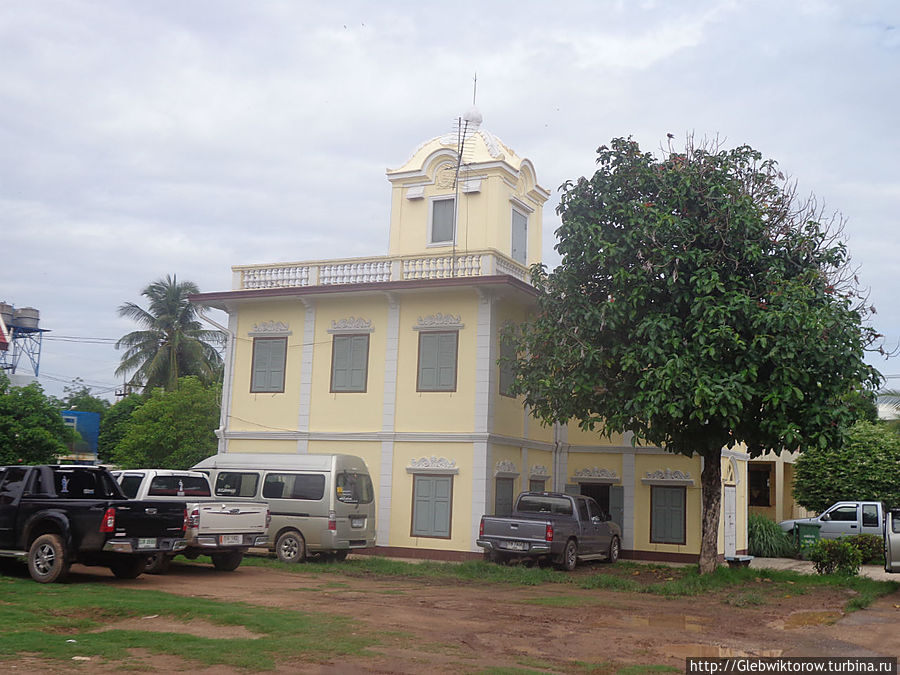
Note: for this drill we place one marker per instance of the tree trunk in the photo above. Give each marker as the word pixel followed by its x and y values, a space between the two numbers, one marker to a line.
pixel 711 483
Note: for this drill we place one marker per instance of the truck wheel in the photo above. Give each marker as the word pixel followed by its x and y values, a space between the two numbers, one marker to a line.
pixel 227 561
pixel 569 556
pixel 613 553
pixel 129 567
pixel 290 547
pixel 47 559
pixel 158 563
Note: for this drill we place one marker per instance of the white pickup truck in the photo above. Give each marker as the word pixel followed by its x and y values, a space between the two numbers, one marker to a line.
pixel 844 519
pixel 221 530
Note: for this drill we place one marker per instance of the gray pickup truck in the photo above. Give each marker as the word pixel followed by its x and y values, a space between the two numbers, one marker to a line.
pixel 551 527
pixel 844 519
pixel 892 541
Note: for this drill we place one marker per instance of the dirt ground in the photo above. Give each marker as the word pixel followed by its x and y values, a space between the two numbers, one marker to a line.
pixel 451 627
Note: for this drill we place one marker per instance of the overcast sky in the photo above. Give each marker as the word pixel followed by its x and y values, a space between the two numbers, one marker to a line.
pixel 139 139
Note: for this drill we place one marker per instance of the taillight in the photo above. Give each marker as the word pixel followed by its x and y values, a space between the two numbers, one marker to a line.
pixel 194 519
pixel 332 521
pixel 268 518
pixel 481 528
pixel 108 524
pixel 548 535
pixel 184 522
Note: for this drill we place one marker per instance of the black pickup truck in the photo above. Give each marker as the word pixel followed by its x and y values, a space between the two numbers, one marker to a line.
pixel 54 516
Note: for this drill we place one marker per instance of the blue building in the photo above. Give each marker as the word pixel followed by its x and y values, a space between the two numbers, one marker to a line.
pixel 88 425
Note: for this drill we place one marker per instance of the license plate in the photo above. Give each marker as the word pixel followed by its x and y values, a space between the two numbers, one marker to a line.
pixel 231 539
pixel 147 542
pixel 515 545
pixel 357 522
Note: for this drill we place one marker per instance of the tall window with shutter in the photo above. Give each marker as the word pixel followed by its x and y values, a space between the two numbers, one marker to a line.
pixel 432 506
pixel 667 514
pixel 269 357
pixel 437 361
pixel 349 363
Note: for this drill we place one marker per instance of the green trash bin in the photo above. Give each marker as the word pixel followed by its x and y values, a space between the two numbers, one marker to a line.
pixel 806 535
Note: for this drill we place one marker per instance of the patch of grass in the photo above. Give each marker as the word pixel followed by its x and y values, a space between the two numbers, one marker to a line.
pixel 33 617
pixel 744 599
pixel 622 577
pixel 561 601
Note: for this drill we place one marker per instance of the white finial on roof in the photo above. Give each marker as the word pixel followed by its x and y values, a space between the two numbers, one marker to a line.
pixel 473 117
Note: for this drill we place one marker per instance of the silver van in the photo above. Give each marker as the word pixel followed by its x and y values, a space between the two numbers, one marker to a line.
pixel 320 504
pixel 892 540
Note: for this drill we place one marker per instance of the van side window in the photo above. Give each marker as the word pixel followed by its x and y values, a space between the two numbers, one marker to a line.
pixel 236 484
pixel 308 486
pixel 354 488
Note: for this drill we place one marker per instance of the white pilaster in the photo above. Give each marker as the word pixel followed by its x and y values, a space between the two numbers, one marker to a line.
pixel 388 418
pixel 628 499
pixel 485 385
pixel 306 366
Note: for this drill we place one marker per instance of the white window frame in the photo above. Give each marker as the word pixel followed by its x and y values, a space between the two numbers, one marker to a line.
pixel 431 203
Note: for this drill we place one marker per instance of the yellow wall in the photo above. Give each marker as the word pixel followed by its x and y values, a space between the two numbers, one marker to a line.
pixel 650 463
pixel 461 508
pixel 266 411
pixel 348 411
pixel 437 411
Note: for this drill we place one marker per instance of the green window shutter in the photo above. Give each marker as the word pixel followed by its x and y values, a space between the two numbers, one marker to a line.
pixel 437 361
pixel 350 361
pixel 268 364
pixel 668 515
pixel 617 505
pixel 431 510
pixel 503 497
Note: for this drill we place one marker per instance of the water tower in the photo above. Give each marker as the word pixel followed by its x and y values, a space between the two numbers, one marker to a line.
pixel 20 335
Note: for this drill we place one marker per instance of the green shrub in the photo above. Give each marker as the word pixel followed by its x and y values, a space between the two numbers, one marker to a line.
pixel 870 546
pixel 767 540
pixel 835 556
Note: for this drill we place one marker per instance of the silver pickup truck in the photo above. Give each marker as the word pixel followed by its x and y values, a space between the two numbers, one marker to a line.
pixel 551 527
pixel 844 519
pixel 221 530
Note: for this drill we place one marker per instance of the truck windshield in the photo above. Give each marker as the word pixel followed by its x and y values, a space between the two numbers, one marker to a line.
pixel 542 504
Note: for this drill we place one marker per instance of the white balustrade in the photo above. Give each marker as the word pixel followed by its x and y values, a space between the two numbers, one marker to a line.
pixel 377 270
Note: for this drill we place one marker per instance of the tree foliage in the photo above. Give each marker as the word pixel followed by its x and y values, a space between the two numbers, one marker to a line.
pixel 171 429
pixel 172 342
pixel 114 424
pixel 78 396
pixel 864 467
pixel 699 306
pixel 31 427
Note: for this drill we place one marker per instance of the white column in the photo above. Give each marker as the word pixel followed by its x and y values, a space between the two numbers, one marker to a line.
pixel 306 366
pixel 628 479
pixel 388 420
pixel 483 422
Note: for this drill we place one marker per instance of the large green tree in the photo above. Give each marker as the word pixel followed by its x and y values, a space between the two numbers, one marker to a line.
pixel 114 424
pixel 31 427
pixel 864 467
pixel 699 306
pixel 79 396
pixel 171 429
pixel 172 342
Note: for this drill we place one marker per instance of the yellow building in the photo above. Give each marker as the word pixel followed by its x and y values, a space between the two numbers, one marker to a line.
pixel 394 358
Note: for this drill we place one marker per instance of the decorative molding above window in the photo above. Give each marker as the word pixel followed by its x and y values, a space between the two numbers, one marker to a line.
pixel 439 322
pixel 270 329
pixel 471 185
pixel 432 465
pixel 415 192
pixel 595 475
pixel 445 177
pixel 521 205
pixel 351 324
pixel 539 472
pixel 668 477
pixel 505 469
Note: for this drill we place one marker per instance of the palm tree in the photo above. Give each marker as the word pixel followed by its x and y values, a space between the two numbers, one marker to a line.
pixel 172 342
pixel 890 399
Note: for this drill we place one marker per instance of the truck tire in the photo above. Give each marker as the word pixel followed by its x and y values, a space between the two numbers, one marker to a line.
pixel 290 547
pixel 612 555
pixel 158 563
pixel 48 561
pixel 129 567
pixel 569 556
pixel 227 561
